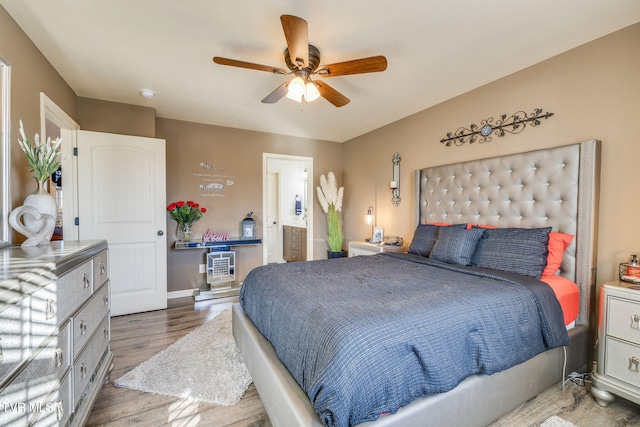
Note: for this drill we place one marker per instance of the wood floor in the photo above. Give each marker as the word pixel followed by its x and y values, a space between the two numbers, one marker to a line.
pixel 137 337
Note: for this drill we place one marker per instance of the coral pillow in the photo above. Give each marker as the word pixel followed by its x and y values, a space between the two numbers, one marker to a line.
pixel 558 242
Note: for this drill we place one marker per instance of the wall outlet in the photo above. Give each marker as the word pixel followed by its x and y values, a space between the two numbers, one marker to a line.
pixel 202 268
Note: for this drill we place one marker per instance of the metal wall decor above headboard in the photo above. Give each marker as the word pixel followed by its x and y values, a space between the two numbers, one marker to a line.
pixel 512 124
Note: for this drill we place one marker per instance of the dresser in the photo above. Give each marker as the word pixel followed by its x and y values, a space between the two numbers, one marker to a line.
pixel 294 243
pixel 366 248
pixel 618 368
pixel 54 332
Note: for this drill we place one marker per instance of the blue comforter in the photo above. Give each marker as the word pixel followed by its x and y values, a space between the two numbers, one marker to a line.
pixel 364 336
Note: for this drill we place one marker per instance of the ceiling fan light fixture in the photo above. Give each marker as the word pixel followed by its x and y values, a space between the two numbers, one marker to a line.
pixel 294 97
pixel 296 88
pixel 312 92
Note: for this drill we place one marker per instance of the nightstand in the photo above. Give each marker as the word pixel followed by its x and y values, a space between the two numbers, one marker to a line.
pixel 366 248
pixel 618 368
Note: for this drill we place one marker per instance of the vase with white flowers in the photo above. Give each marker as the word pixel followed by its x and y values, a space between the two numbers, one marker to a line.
pixel 43 159
pixel 330 198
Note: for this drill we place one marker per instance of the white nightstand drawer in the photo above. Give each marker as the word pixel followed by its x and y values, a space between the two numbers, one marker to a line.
pixel 624 319
pixel 623 361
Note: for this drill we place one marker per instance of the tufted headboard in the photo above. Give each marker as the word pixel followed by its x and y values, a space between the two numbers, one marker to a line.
pixel 555 187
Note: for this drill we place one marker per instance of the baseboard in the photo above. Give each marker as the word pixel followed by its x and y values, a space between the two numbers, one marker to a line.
pixel 180 294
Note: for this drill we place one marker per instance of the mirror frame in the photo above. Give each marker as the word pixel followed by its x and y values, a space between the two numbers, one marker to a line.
pixel 5 151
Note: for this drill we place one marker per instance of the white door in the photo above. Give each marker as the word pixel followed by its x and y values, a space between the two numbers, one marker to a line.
pixel 122 198
pixel 274 247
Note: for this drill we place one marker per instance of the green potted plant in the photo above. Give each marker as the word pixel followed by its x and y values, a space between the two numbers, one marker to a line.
pixel 330 198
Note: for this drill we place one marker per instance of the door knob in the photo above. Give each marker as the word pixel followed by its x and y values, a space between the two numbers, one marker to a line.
pixel 160 232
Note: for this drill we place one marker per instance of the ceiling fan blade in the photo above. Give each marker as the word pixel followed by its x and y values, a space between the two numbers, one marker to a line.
pixel 249 65
pixel 296 32
pixel 331 95
pixel 356 66
pixel 275 96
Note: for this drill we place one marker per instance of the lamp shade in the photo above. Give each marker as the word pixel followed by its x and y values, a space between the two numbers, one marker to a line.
pixel 296 89
pixel 312 92
pixel 368 218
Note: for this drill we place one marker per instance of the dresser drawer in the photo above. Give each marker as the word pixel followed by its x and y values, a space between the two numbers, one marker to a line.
pixel 58 407
pixel 620 361
pixel 14 338
pixel 54 304
pixel 100 268
pixel 624 319
pixel 86 321
pixel 86 364
pixel 27 395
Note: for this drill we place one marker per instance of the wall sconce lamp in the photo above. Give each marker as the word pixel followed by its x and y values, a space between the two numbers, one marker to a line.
pixel 395 183
pixel 368 219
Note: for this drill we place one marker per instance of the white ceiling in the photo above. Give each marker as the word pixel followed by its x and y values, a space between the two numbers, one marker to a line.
pixel 436 49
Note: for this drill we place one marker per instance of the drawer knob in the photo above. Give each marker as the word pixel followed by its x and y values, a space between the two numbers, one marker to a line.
pixel 105 332
pixel 49 309
pixel 635 321
pixel 103 269
pixel 633 363
pixel 83 370
pixel 83 327
pixel 86 281
pixel 59 357
pixel 105 299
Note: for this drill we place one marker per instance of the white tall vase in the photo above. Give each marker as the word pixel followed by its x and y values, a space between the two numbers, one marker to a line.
pixel 45 203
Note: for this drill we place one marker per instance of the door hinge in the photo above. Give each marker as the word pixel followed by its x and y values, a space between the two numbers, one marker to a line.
pixel 75 151
pixel 77 221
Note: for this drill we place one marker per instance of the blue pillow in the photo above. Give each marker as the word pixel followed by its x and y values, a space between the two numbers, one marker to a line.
pixel 518 250
pixel 456 245
pixel 425 237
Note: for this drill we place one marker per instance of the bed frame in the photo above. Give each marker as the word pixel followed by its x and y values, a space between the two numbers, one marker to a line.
pixel 556 187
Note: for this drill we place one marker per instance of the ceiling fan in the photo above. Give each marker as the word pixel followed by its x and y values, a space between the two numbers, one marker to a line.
pixel 303 61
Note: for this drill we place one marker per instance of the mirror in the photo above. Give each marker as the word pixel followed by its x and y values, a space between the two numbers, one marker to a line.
pixel 5 159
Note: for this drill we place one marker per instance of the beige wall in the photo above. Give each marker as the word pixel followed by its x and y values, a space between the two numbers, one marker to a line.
pixel 31 74
pixel 114 117
pixel 239 153
pixel 594 91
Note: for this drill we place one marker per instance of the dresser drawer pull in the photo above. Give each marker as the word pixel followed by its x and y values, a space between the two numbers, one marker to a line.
pixel 83 370
pixel 1 355
pixel 103 269
pixel 635 321
pixel 59 357
pixel 59 410
pixel 634 361
pixel 105 332
pixel 105 299
pixel 86 281
pixel 49 309
pixel 83 327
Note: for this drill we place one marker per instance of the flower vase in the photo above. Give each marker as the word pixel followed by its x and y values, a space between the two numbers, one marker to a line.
pixel 44 203
pixel 184 233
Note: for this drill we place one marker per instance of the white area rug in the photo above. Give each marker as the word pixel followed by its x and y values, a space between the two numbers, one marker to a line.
pixel 556 421
pixel 204 365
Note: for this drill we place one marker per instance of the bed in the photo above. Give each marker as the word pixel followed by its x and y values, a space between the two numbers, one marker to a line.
pixel 555 188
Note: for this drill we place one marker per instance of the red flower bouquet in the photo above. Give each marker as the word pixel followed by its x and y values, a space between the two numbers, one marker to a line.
pixel 185 212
